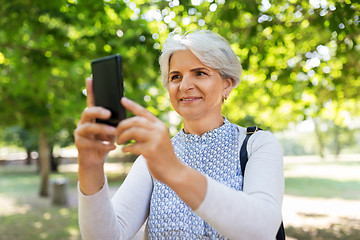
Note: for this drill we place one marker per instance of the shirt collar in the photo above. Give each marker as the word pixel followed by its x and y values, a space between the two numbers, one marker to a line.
pixel 214 133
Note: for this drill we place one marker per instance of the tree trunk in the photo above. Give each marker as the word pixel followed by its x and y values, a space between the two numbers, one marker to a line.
pixel 28 156
pixel 54 161
pixel 54 164
pixel 44 158
pixel 337 148
pixel 320 140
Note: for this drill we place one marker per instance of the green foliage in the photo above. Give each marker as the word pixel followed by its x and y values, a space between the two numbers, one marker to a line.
pixel 46 49
pixel 299 58
pixel 20 137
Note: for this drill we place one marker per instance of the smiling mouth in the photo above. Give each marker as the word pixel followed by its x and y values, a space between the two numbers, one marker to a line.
pixel 189 100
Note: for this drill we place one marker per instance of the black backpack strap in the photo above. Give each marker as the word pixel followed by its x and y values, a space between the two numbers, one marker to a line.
pixel 281 233
pixel 243 161
pixel 243 151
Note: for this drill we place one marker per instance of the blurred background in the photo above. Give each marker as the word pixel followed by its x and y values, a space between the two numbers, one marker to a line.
pixel 301 80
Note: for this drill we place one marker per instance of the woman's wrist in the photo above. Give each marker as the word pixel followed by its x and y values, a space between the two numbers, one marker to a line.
pixel 189 184
pixel 91 180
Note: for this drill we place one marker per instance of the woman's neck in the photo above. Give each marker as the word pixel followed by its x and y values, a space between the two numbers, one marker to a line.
pixel 201 126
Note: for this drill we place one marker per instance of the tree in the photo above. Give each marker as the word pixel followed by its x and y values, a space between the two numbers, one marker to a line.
pixel 19 136
pixel 46 48
pixel 297 56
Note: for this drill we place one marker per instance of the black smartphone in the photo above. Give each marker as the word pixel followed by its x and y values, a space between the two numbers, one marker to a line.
pixel 108 87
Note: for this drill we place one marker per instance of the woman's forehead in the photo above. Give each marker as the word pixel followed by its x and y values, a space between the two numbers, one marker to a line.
pixel 185 59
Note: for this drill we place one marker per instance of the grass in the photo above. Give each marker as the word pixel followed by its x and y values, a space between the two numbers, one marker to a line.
pixel 26 216
pixel 322 188
pixel 332 179
pixel 40 223
pixel 326 180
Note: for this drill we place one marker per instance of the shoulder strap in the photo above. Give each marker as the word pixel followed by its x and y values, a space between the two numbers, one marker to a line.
pixel 243 151
pixel 244 159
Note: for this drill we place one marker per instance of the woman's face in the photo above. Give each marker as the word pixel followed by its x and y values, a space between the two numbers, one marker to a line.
pixel 196 91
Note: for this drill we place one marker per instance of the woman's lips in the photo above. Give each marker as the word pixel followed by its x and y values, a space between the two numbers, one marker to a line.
pixel 189 99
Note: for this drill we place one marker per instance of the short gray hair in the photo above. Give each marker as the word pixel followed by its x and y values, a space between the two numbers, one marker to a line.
pixel 210 48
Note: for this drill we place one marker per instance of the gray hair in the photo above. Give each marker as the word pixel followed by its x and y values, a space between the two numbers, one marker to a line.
pixel 210 48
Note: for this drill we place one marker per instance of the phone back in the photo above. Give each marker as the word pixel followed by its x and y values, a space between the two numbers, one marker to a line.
pixel 108 87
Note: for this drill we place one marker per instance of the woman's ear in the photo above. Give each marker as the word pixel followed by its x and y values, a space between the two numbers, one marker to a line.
pixel 228 85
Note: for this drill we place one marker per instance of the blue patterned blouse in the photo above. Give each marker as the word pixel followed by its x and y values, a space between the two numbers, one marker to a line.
pixel 216 154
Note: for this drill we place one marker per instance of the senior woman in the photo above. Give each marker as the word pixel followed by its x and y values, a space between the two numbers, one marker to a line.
pixel 189 186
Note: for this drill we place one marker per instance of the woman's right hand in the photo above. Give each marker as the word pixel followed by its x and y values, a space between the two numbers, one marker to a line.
pixel 93 141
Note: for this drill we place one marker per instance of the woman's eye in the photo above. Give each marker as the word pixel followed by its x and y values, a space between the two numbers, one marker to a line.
pixel 200 73
pixel 174 77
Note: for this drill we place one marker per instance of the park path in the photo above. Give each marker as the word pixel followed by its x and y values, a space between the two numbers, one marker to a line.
pixel 321 212
pixel 318 212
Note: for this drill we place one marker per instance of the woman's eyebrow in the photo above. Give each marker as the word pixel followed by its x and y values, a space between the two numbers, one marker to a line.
pixel 174 72
pixel 199 69
pixel 191 70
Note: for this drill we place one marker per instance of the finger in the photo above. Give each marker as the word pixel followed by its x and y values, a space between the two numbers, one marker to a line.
pixel 135 148
pixel 90 94
pixel 91 113
pixel 99 145
pixel 96 129
pixel 136 121
pixel 106 137
pixel 137 109
pixel 137 134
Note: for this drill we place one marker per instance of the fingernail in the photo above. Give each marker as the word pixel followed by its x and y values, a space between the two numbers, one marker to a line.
pixel 105 112
pixel 125 99
pixel 110 129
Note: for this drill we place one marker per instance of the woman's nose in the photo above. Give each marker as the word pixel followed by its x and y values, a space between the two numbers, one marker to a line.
pixel 187 83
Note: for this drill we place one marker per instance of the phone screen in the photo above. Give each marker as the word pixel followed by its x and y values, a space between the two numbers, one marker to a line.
pixel 108 87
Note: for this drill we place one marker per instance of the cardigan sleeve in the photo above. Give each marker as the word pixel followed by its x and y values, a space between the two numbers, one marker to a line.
pixel 120 217
pixel 255 212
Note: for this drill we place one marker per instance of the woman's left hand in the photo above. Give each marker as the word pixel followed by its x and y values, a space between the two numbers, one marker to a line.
pixel 152 140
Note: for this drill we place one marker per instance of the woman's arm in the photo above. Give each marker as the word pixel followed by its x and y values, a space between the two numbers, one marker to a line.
pixel 152 140
pixel 121 217
pixel 254 213
pixel 93 141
